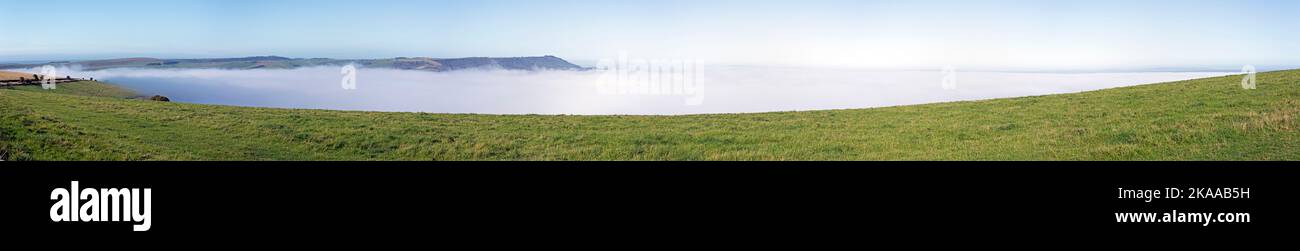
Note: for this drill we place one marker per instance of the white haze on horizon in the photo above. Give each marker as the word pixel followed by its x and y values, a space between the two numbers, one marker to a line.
pixel 726 89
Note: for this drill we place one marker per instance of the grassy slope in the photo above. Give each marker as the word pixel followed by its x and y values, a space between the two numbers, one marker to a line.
pixel 10 75
pixel 1189 120
pixel 84 88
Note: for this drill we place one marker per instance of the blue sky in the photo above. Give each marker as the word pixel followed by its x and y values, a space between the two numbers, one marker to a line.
pixel 1054 34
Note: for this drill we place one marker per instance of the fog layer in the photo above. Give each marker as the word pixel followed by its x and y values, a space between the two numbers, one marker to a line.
pixel 722 89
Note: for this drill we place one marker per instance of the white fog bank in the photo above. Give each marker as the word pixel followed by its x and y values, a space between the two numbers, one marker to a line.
pixel 722 89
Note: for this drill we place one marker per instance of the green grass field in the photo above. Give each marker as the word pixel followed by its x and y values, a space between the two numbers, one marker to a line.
pixel 1206 119
pixel 83 88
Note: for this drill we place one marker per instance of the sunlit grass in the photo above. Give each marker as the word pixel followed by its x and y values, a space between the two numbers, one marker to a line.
pixel 1206 119
pixel 84 88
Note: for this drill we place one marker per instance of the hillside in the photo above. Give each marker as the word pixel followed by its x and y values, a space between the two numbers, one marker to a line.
pixel 10 75
pixel 83 88
pixel 275 62
pixel 1206 119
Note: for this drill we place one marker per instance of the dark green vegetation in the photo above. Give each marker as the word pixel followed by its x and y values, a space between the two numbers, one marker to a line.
pixel 274 62
pixel 1206 119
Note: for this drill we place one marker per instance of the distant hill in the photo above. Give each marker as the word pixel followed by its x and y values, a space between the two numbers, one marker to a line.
pixel 276 62
pixel 9 75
